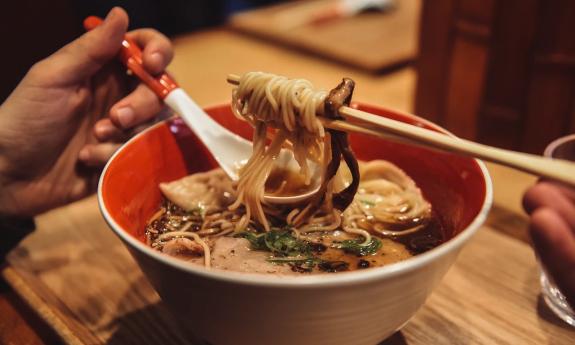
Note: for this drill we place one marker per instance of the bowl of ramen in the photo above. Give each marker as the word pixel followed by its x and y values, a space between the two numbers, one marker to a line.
pixel 350 265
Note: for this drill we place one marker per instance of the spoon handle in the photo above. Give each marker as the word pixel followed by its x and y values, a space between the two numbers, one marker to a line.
pixel 131 57
pixel 226 147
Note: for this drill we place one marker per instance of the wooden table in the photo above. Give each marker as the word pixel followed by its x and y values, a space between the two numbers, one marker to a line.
pixel 80 279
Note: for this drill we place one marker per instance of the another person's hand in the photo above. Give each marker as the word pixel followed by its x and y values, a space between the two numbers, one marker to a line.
pixel 552 210
pixel 67 116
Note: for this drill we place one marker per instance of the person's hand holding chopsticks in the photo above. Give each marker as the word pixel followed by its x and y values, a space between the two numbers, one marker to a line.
pixel 69 114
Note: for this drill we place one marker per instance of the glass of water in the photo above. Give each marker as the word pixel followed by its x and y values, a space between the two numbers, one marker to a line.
pixel 563 148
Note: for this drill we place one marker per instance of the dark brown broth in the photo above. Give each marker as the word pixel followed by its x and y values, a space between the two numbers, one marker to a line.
pixel 294 182
pixel 432 235
pixel 392 249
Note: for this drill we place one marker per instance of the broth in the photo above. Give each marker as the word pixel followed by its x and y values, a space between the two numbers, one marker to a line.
pixel 286 249
pixel 284 182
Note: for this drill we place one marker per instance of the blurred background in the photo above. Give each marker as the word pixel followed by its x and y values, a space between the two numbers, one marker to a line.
pixel 501 72
pixel 33 29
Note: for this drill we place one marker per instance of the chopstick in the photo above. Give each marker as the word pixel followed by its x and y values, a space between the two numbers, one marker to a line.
pixel 379 126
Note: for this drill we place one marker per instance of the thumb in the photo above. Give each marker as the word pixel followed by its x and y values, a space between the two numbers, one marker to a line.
pixel 84 56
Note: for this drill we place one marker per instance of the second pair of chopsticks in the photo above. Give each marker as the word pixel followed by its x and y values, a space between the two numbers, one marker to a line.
pixel 379 126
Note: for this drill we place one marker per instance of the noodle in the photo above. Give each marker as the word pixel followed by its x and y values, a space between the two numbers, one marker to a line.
pixel 205 207
pixel 289 106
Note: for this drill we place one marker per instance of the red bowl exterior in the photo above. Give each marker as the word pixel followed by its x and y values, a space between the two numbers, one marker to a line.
pixel 454 185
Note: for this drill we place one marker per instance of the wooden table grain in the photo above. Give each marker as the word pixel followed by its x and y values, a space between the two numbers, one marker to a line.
pixel 79 278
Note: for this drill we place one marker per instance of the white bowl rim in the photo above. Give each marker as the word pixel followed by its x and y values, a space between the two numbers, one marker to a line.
pixel 356 277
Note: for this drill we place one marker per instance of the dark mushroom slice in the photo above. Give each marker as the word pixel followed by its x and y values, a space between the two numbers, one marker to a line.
pixel 338 97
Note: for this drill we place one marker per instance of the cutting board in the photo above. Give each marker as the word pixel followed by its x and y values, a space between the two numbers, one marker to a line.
pixel 372 41
pixel 79 278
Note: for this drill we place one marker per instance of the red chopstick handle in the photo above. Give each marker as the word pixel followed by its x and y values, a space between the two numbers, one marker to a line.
pixel 131 57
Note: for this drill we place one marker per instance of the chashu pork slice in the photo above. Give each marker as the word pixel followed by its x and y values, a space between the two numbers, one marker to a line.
pixel 234 254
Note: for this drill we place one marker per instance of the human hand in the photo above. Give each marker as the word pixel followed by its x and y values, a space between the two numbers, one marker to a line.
pixel 552 209
pixel 67 116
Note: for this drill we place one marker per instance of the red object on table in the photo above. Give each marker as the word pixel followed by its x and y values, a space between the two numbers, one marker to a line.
pixel 131 57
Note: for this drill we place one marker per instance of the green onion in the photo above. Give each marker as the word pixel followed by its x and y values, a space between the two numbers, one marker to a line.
pixel 357 247
pixel 279 241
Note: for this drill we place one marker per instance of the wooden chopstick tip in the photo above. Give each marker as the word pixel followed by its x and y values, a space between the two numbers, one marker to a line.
pixel 233 79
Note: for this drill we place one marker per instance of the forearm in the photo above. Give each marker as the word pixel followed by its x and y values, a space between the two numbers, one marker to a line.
pixel 5 188
pixel 8 190
pixel 6 181
pixel 13 227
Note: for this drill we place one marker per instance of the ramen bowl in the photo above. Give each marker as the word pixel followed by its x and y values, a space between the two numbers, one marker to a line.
pixel 224 307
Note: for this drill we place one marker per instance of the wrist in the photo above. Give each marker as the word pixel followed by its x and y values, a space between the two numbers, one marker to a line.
pixel 7 188
pixel 4 161
pixel 13 227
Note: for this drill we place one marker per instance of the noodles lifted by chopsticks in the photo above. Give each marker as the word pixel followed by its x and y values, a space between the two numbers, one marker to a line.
pixel 345 214
pixel 289 106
